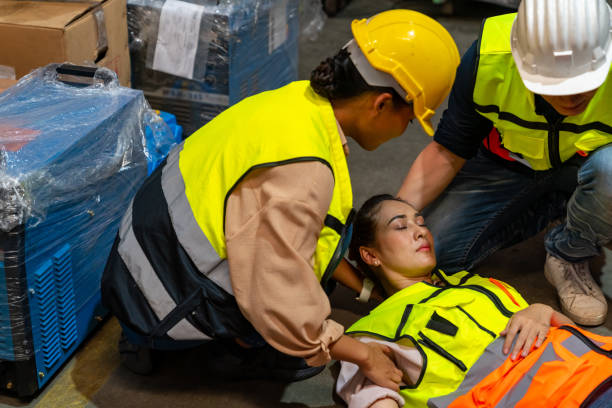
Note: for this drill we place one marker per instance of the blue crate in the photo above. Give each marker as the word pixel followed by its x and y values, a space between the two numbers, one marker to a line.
pixel 74 157
pixel 234 57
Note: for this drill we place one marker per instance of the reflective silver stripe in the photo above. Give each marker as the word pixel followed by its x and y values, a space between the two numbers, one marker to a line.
pixel 126 222
pixel 575 346
pixel 520 160
pixel 148 282
pixel 221 276
pixel 492 357
pixel 187 230
pixel 185 331
pixel 519 390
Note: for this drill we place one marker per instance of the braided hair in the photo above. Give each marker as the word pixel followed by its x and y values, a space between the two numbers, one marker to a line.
pixel 338 78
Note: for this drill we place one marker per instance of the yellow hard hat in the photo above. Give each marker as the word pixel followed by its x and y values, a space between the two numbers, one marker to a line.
pixel 415 50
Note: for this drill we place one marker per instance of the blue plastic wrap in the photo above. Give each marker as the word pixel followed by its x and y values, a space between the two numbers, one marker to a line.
pixel 161 133
pixel 73 157
pixel 238 48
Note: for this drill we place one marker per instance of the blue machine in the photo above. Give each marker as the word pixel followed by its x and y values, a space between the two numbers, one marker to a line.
pixel 244 47
pixel 72 158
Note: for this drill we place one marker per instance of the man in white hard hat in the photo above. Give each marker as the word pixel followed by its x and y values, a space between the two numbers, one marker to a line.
pixel 526 140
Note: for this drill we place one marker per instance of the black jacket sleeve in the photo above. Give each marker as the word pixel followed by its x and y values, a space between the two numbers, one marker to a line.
pixel 461 128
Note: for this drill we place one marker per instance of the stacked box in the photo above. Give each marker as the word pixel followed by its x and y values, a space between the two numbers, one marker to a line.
pixel 35 33
pixel 229 50
pixel 72 157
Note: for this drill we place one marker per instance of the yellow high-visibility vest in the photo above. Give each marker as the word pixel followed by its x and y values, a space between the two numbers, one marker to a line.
pixel 439 321
pixel 501 96
pixel 287 125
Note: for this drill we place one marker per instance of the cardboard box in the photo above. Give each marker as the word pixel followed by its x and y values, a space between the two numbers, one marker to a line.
pixel 36 33
pixel 6 83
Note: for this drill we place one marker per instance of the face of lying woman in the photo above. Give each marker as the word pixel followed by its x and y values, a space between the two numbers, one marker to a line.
pixel 404 244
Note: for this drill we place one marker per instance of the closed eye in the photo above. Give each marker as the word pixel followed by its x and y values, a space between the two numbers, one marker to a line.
pixel 397 217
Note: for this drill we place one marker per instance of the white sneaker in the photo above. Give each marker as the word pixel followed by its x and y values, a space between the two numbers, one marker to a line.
pixel 581 298
pixel 606 271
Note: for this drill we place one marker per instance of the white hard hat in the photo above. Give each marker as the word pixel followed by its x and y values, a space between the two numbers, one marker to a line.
pixel 562 47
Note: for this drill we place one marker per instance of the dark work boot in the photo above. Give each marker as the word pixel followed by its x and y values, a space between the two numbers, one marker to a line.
pixel 234 362
pixel 136 358
pixel 283 367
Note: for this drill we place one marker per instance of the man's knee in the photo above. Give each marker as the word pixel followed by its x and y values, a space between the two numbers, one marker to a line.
pixel 598 171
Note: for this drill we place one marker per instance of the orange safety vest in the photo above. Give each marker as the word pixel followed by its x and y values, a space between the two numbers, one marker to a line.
pixel 569 370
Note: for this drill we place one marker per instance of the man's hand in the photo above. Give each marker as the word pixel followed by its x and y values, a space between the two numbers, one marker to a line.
pixel 527 326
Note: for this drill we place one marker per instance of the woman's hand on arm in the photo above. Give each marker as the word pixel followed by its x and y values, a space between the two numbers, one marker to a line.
pixel 527 326
pixel 374 359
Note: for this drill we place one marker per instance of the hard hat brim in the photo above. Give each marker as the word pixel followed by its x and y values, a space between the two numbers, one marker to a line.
pixel 588 81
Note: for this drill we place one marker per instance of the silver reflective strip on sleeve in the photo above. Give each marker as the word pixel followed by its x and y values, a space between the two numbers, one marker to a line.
pixel 148 282
pixel 186 227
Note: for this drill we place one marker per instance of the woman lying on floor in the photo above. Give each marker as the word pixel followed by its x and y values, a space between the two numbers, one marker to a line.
pixel 443 330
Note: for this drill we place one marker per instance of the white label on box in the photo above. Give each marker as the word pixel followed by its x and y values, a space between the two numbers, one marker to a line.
pixel 177 38
pixel 278 28
pixel 7 72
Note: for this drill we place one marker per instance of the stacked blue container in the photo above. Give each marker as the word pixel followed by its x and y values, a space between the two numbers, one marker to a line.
pixel 72 158
pixel 242 47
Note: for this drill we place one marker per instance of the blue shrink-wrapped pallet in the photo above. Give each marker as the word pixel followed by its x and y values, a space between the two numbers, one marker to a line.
pixel 72 157
pixel 195 58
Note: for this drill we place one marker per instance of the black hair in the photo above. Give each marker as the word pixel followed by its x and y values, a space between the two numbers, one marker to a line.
pixel 338 78
pixel 364 230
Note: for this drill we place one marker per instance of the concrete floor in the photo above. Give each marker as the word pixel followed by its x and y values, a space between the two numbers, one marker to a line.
pixel 94 378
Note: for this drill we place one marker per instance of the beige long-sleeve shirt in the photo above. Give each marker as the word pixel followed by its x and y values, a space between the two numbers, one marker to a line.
pixel 272 224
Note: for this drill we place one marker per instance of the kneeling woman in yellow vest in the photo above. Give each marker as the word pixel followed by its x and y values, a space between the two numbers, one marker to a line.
pixel 236 234
pixel 444 330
